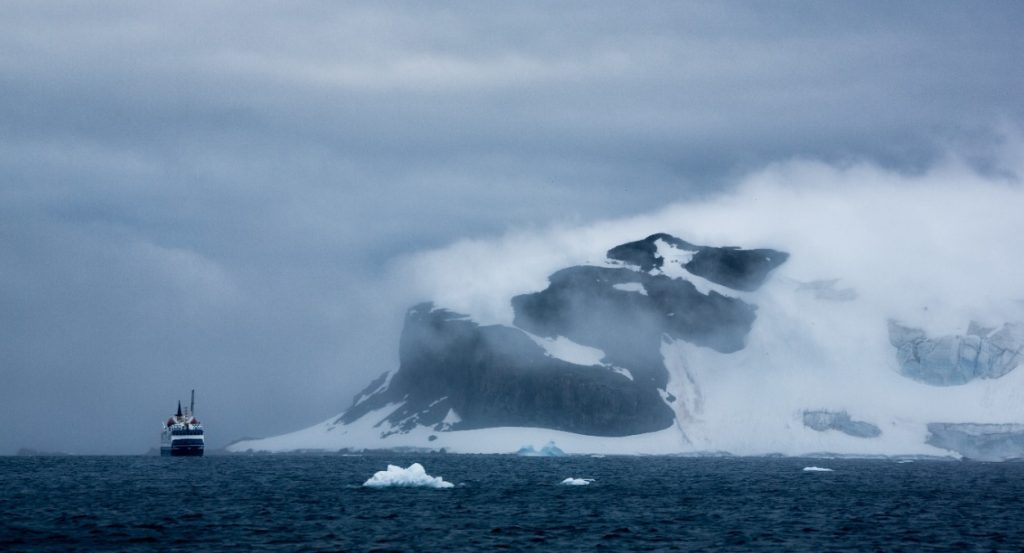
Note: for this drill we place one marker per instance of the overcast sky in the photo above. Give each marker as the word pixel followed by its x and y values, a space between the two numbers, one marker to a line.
pixel 215 194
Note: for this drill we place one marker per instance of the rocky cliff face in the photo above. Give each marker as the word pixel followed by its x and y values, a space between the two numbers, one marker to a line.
pixel 458 375
pixel 584 305
pixel 490 376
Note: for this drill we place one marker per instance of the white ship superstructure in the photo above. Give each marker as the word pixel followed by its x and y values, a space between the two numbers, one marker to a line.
pixel 182 434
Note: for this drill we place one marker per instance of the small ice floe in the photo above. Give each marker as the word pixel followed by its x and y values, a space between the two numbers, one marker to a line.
pixel 549 450
pixel 413 477
pixel 817 469
pixel 577 481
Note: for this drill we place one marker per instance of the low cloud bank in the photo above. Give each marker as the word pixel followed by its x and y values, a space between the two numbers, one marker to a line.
pixel 935 248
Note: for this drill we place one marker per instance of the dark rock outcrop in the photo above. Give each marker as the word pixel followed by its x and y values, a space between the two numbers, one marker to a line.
pixel 496 376
pixel 729 266
pixel 953 360
pixel 456 374
pixel 979 442
pixel 582 304
pixel 841 421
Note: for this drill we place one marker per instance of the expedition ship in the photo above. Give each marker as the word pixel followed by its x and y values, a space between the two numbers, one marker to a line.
pixel 182 434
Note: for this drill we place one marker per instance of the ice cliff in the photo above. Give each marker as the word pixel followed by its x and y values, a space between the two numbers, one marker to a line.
pixel 951 360
pixel 981 442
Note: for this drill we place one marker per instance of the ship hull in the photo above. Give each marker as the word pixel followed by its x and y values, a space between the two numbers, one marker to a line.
pixel 182 451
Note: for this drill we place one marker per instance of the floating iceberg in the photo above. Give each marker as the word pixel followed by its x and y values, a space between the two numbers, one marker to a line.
pixel 577 481
pixel 549 450
pixel 817 469
pixel 413 477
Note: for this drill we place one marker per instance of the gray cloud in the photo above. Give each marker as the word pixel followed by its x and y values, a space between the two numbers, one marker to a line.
pixel 212 195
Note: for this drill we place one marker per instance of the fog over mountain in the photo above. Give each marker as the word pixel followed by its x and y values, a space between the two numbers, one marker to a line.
pixel 246 198
pixel 886 318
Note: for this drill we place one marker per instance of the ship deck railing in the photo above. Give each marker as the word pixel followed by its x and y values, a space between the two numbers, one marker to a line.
pixel 186 431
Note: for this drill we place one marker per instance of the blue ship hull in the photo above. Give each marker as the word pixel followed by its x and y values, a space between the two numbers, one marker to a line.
pixel 182 451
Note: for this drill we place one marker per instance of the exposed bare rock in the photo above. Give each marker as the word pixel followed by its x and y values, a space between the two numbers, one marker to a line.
pixel 583 304
pixel 456 374
pixel 839 420
pixel 731 267
pixel 496 376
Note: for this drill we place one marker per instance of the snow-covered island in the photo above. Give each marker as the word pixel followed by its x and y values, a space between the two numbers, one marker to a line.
pixel 668 347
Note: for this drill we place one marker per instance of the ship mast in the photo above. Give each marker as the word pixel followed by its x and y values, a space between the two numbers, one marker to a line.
pixel 192 406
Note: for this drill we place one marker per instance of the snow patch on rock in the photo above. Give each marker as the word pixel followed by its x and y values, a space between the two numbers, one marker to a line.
pixel 452 417
pixel 674 266
pixel 565 349
pixel 631 287
pixel 624 372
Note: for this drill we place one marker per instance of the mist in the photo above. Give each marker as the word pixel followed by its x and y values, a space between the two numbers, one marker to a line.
pixel 244 198
pixel 942 240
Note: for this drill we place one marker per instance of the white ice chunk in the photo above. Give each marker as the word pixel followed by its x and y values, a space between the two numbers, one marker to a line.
pixel 816 469
pixel 631 287
pixel 577 481
pixel 413 477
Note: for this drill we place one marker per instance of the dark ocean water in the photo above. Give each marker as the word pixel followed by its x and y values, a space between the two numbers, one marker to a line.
pixel 316 503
